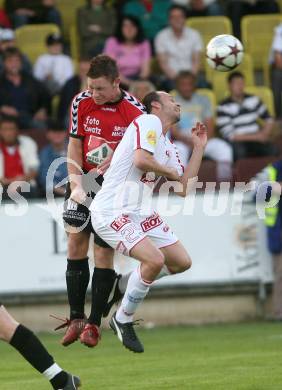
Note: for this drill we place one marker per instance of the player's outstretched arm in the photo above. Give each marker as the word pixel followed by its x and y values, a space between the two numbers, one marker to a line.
pixel 199 138
pixel 146 162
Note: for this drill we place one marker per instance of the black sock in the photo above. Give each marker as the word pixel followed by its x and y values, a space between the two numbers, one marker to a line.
pixel 77 278
pixel 25 341
pixel 102 284
pixel 31 348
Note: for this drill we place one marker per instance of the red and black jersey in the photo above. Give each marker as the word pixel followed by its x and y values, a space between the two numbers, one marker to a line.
pixel 101 126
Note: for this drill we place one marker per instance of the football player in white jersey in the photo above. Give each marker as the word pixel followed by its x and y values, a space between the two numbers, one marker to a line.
pixel 118 212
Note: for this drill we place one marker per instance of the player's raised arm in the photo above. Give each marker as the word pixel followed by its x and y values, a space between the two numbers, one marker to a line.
pixel 199 138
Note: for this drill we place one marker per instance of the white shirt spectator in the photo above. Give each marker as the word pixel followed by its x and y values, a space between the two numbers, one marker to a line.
pixel 179 50
pixel 276 43
pixel 58 68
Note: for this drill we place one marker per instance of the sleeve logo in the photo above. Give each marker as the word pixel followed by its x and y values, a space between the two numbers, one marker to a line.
pixel 151 137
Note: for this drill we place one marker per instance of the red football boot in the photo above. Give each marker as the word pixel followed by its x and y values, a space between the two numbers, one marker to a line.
pixel 74 329
pixel 90 335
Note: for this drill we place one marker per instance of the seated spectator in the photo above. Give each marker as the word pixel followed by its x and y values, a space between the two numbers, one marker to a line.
pixel 276 69
pixel 4 19
pixel 197 108
pixel 71 88
pixel 95 22
pixel 236 9
pixel 22 96
pixel 50 13
pixel 56 148
pixel 130 50
pixel 237 121
pixel 141 88
pixel 7 40
pixel 201 7
pixel 53 68
pixel 33 11
pixel 178 47
pixel 153 15
pixel 18 158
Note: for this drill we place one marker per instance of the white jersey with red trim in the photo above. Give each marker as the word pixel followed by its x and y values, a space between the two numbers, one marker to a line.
pixel 126 188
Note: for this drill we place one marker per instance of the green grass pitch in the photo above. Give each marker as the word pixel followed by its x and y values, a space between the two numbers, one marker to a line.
pixel 220 357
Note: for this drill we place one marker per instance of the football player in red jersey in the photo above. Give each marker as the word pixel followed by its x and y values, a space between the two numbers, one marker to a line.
pixel 99 118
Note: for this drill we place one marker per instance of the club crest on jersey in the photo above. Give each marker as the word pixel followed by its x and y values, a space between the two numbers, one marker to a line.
pixel 99 154
pixel 152 137
pixel 151 222
pixel 119 222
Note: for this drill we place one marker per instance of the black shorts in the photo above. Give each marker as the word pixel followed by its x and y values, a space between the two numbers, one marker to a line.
pixel 89 228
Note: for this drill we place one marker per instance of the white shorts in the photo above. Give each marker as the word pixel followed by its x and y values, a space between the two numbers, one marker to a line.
pixel 124 232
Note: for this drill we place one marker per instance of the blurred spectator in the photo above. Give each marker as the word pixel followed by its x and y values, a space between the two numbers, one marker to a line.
pixel 201 7
pixel 273 222
pixel 141 88
pixel 178 47
pixel 276 70
pixel 50 13
pixel 7 40
pixel 153 14
pixel 197 108
pixel 4 19
pixel 71 88
pixel 237 121
pixel 130 50
pixel 56 148
pixel 22 96
pixel 236 9
pixel 18 158
pixel 32 11
pixel 96 22
pixel 53 68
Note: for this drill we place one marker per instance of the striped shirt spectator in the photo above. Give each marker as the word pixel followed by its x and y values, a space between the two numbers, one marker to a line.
pixel 237 118
pixel 237 121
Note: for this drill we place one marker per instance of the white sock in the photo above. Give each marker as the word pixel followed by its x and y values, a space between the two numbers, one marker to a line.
pixel 135 293
pixel 52 371
pixel 122 284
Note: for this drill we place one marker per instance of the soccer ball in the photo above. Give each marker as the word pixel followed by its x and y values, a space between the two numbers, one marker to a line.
pixel 224 53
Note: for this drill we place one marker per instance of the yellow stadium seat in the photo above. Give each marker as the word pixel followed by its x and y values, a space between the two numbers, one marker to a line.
pixel 266 72
pixel 210 95
pixel 257 35
pixel 68 10
pixel 2 3
pixel 219 79
pixel 74 43
pixel 208 27
pixel 265 95
pixel 31 38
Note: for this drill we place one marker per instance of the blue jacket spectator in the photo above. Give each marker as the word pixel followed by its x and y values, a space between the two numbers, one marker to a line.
pixel 56 148
pixel 22 96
